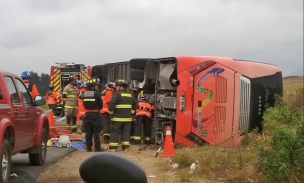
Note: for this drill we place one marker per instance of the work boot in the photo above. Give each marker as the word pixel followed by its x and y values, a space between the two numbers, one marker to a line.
pixel 99 149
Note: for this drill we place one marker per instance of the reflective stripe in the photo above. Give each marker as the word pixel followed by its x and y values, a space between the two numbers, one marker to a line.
pixel 132 111
pixel 136 138
pixel 123 106
pixel 64 99
pixel 106 134
pixel 168 132
pixel 143 113
pixel 125 143
pixel 121 119
pixel 111 112
pixel 73 127
pixel 131 137
pixel 64 93
pixel 113 144
pixel 71 96
pixel 92 110
pixel 147 138
pixel 92 100
pixel 59 107
pixel 70 107
pixel 126 95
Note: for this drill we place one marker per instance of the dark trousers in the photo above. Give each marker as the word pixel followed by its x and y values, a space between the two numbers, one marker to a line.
pixel 106 125
pixel 53 107
pixel 93 128
pixel 132 131
pixel 117 128
pixel 144 121
pixel 83 125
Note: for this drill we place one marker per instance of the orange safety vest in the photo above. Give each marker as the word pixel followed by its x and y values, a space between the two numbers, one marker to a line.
pixel 51 98
pixel 106 97
pixel 144 109
pixel 81 109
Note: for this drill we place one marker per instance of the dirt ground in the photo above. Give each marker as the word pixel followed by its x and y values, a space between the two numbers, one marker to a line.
pixel 66 170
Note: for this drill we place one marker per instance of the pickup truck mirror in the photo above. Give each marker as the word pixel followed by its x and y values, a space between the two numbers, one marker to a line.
pixel 39 100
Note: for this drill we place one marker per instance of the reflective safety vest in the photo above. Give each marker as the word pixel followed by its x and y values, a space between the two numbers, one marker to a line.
pixel 81 109
pixel 106 97
pixel 51 97
pixel 144 109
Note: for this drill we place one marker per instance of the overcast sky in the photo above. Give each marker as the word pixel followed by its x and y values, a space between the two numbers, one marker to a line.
pixel 35 34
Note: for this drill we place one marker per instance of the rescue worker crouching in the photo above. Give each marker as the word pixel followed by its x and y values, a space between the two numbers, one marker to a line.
pixel 81 109
pixel 105 117
pixel 93 104
pixel 121 107
pixel 143 118
pixel 70 103
pixel 52 97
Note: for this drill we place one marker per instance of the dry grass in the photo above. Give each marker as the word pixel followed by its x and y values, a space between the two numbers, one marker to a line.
pixel 292 83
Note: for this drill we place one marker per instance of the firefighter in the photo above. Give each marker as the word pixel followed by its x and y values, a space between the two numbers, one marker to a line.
pixel 121 107
pixel 143 118
pixel 105 117
pixel 52 97
pixel 26 78
pixel 93 104
pixel 81 109
pixel 70 104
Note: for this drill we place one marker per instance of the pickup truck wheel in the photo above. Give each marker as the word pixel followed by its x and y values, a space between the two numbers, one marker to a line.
pixel 6 160
pixel 38 159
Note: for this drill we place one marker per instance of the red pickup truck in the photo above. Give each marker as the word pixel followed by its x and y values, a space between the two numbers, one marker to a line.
pixel 24 127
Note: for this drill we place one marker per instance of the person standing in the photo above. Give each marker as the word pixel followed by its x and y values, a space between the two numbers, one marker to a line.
pixel 26 78
pixel 93 104
pixel 121 107
pixel 143 118
pixel 51 97
pixel 81 109
pixel 105 117
pixel 70 102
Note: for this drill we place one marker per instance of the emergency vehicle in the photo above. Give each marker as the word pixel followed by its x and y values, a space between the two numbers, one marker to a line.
pixel 60 74
pixel 212 100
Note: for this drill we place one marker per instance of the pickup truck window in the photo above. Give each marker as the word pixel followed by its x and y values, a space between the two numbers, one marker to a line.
pixel 26 96
pixel 12 90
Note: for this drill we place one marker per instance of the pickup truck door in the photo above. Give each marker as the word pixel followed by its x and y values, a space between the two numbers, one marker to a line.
pixel 213 104
pixel 18 116
pixel 30 111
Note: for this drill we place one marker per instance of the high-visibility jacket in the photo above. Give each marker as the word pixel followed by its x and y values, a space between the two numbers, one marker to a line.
pixel 70 96
pixel 122 105
pixel 51 97
pixel 32 88
pixel 81 108
pixel 144 109
pixel 106 97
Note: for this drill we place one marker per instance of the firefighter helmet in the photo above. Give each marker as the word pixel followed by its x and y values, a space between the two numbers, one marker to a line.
pixel 142 99
pixel 72 77
pixel 92 82
pixel 25 75
pixel 110 85
pixel 51 86
pixel 121 82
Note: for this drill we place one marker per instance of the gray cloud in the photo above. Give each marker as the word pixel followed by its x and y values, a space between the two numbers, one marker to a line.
pixel 36 34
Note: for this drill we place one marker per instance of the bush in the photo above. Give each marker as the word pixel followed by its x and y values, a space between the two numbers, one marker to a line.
pixel 281 150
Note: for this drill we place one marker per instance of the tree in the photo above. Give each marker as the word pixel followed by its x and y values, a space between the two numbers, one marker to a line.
pixel 41 82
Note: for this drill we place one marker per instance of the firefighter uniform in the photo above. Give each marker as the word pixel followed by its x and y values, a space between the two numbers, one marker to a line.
pixel 105 117
pixel 81 109
pixel 143 118
pixel 121 107
pixel 51 97
pixel 70 107
pixel 93 104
